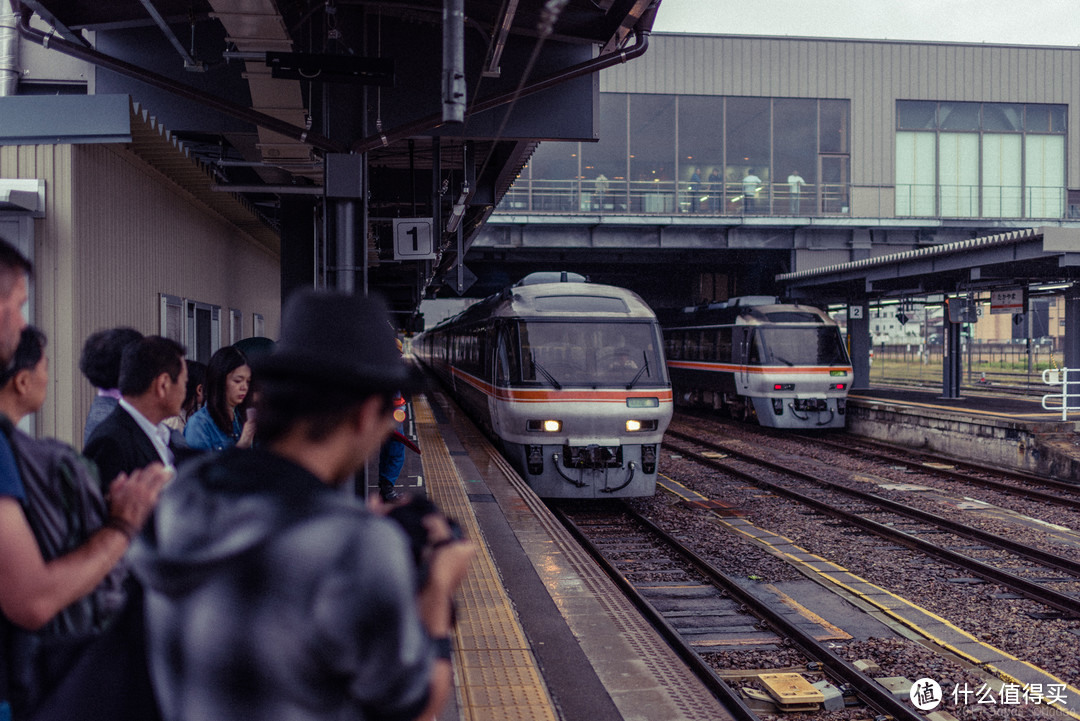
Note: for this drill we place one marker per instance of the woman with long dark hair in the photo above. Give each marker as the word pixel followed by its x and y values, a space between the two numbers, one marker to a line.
pixel 223 423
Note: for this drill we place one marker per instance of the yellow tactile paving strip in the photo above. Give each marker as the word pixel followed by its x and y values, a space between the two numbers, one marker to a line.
pixel 496 673
pixel 923 622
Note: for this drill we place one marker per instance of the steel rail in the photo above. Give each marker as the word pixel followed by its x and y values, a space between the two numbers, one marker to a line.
pixel 724 692
pixel 1062 602
pixel 875 448
pixel 841 669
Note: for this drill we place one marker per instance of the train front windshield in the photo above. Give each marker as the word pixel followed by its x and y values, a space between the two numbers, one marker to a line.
pixel 589 353
pixel 790 346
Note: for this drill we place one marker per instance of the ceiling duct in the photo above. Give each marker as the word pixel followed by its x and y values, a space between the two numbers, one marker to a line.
pixel 256 26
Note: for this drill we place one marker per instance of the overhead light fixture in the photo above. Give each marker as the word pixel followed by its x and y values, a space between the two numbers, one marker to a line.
pixel 458 211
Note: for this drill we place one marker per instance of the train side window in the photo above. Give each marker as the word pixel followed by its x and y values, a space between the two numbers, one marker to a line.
pixel 673 345
pixel 723 344
pixel 708 344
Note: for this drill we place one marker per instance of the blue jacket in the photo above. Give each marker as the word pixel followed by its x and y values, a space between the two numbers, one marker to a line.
pixel 203 434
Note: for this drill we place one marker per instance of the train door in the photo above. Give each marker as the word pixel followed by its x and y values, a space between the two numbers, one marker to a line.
pixel 743 348
pixel 500 371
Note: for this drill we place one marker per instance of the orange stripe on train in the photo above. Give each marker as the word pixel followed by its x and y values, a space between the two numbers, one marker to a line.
pixel 714 367
pixel 540 395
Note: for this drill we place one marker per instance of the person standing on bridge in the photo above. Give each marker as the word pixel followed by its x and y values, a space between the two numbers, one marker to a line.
pixel 750 185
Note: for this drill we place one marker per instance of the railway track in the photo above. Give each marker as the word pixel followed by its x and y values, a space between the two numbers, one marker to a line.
pixel 873 504
pixel 1025 485
pixel 697 607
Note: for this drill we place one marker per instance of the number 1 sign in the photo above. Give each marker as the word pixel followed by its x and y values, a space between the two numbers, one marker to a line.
pixel 413 239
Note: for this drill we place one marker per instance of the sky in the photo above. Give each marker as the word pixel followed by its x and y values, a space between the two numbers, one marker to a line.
pixel 1035 22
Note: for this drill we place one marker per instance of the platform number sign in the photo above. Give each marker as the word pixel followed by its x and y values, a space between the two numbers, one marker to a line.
pixel 855 312
pixel 413 239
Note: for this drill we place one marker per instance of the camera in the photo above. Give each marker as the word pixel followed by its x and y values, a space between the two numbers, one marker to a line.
pixel 410 516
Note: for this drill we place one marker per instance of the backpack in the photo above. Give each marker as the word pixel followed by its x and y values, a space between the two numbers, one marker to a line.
pixel 64 507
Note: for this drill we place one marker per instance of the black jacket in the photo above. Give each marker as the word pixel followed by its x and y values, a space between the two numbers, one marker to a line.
pixel 119 445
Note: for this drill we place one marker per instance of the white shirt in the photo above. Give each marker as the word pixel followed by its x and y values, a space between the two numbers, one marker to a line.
pixel 158 435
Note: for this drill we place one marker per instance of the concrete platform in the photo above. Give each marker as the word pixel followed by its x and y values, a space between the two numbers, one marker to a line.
pixel 992 429
pixel 542 633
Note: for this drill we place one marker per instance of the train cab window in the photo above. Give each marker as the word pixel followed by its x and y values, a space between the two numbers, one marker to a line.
pixel 587 352
pixel 807 345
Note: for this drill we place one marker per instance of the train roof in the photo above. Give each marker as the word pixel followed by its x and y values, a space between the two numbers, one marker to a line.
pixel 752 311
pixel 556 296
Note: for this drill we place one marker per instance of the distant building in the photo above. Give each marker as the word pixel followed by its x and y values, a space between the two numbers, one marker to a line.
pixel 900 145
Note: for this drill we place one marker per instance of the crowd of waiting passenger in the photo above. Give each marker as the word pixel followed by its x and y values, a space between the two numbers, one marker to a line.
pixel 202 558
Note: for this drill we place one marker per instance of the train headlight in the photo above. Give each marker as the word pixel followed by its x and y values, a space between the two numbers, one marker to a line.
pixel 783 386
pixel 544 426
pixel 633 426
pixel 838 386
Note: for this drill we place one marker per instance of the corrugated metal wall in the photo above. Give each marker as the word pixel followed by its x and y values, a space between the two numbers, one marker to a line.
pixel 871 74
pixel 116 234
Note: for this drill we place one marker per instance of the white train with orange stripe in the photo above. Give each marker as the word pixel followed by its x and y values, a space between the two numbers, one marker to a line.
pixel 784 365
pixel 568 376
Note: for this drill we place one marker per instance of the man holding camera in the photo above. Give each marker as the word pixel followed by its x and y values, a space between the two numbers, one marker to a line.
pixel 270 593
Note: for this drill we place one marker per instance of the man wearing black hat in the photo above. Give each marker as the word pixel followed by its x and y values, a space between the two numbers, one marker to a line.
pixel 270 593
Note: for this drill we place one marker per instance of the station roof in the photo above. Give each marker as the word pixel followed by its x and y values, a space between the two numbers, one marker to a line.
pixel 263 91
pixel 1036 255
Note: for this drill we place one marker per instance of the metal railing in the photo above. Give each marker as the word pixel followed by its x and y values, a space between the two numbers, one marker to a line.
pixel 1069 380
pixel 668 197
pixel 980 201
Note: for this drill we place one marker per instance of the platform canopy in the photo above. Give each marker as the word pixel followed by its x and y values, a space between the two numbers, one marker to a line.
pixel 1038 255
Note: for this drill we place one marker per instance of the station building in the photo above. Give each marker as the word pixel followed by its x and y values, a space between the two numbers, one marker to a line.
pixel 742 156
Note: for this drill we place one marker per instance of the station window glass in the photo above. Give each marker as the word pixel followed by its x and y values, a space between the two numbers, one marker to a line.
pixel 834 126
pixel 606 157
pixel 701 137
pixel 962 159
pixel 1002 116
pixel 747 138
pixel 650 145
pixel 652 153
pixel 916 115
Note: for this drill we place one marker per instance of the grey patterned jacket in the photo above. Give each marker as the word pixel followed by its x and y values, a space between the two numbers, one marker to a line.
pixel 271 596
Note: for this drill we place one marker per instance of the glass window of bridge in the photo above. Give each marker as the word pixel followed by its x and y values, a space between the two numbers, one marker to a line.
pixel 553 170
pixel 833 126
pixel 652 153
pixel 701 149
pixel 963 159
pixel 603 163
pixel 747 134
pixel 795 153
pixel 650 147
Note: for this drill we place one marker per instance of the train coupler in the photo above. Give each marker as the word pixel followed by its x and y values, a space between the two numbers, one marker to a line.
pixel 558 467
pixel 630 468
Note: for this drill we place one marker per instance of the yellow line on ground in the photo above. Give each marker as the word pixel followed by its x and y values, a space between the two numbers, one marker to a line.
pixel 672 486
